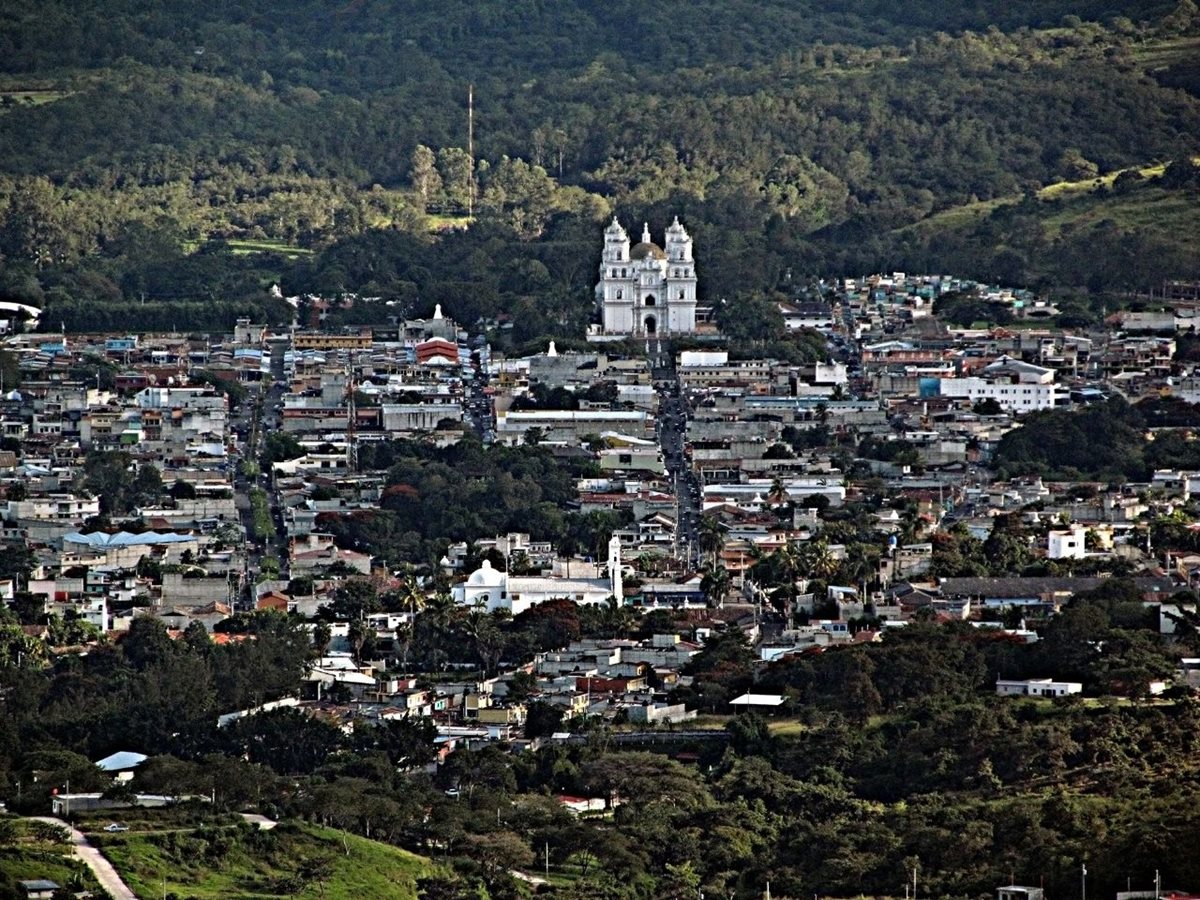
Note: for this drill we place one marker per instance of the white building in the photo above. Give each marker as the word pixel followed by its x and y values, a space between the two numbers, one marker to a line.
pixel 1068 544
pixel 59 507
pixel 647 290
pixel 1017 386
pixel 1037 687
pixel 495 590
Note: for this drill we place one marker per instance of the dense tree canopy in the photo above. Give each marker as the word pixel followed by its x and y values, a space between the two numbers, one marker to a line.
pixel 319 126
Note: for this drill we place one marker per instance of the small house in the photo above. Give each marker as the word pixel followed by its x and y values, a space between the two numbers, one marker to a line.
pixel 38 888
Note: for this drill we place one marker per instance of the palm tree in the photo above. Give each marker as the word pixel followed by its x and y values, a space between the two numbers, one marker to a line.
pixel 714 582
pixel 412 595
pixel 322 636
pixel 859 568
pixel 357 635
pixel 404 636
pixel 441 609
pixel 487 638
pixel 778 494
pixel 615 617
pixel 712 536
pixel 818 561
pixel 790 564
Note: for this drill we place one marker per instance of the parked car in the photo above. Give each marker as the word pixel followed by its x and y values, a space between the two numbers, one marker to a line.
pixel 115 826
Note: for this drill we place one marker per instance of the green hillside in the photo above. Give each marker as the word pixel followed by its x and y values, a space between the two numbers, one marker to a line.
pixel 31 850
pixel 243 863
pixel 183 153
pixel 1120 227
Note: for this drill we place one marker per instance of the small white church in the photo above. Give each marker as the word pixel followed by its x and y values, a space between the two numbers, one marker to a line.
pixel 647 291
pixel 492 590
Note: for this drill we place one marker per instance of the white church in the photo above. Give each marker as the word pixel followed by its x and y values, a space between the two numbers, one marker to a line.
pixel 647 291
pixel 491 589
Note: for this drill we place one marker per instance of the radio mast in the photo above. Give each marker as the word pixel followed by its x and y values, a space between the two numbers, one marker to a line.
pixel 471 148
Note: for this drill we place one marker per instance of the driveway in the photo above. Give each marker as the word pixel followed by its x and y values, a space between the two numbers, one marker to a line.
pixel 101 867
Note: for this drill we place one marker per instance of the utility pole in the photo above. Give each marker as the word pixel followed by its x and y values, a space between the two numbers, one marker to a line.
pixel 1083 881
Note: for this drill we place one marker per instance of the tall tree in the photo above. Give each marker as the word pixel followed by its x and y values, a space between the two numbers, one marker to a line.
pixel 425 178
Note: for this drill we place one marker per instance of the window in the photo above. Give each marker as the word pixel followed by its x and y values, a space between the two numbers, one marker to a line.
pixel 620 294
pixel 622 273
pixel 681 294
pixel 650 300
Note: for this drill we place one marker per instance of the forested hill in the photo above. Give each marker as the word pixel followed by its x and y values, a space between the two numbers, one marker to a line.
pixel 790 135
pixel 378 43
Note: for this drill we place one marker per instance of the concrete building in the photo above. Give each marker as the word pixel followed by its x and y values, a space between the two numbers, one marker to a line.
pixel 1068 544
pixel 1037 687
pixel 1017 386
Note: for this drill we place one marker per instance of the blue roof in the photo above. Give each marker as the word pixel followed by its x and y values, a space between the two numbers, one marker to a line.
pixel 121 760
pixel 101 540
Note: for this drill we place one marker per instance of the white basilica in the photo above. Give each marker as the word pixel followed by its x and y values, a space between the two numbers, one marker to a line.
pixel 647 291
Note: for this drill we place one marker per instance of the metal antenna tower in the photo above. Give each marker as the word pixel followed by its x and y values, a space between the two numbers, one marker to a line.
pixel 471 148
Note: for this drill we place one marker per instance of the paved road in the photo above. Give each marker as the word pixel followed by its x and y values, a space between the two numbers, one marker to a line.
pixel 673 414
pixel 94 860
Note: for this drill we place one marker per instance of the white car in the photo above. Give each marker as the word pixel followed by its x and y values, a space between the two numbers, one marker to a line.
pixel 115 826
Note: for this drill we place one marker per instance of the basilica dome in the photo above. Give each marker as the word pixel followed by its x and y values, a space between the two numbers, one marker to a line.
pixel 647 249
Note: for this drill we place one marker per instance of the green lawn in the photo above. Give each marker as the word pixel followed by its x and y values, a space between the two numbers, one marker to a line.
pixel 242 863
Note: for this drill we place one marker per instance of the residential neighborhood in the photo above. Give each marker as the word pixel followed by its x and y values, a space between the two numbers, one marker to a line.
pixel 367 491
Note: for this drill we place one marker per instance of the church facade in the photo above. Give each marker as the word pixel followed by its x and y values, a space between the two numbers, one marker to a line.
pixel 647 290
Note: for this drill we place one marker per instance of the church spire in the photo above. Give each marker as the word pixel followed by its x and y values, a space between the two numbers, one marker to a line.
pixel 645 233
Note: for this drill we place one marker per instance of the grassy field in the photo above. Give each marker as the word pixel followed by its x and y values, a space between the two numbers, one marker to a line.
pixel 1172 214
pixel 25 854
pixel 242 863
pixel 244 247
pixel 10 100
pixel 958 216
pixel 1159 54
pixel 440 222
pixel 1151 209
pixel 786 727
pixel 1065 189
